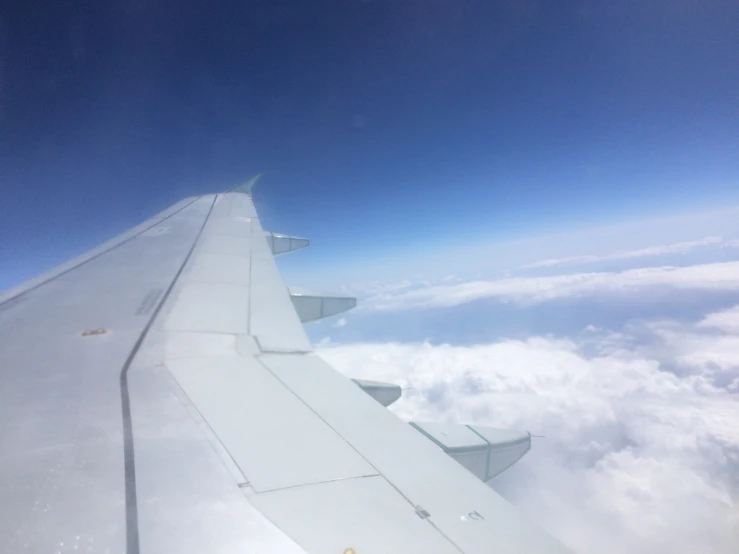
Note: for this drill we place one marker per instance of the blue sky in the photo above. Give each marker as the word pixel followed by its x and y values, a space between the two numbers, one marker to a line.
pixel 537 204
pixel 382 126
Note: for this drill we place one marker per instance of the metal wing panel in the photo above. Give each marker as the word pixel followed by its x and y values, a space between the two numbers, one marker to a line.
pixel 275 441
pixel 274 322
pixel 188 501
pixel 222 303
pixel 241 205
pixel 230 218
pixel 229 269
pixel 214 290
pixel 223 423
pixel 61 437
pixel 211 307
pixel 273 437
pixel 366 516
pixel 474 517
pixel 215 243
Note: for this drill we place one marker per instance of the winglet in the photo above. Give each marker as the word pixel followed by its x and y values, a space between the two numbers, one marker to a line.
pixel 246 186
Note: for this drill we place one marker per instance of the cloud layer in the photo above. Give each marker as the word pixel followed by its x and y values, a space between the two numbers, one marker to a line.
pixel 642 425
pixel 676 248
pixel 630 373
pixel 530 290
pixel 726 320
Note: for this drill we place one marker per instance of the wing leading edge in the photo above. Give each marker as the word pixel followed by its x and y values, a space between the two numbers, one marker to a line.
pixel 199 419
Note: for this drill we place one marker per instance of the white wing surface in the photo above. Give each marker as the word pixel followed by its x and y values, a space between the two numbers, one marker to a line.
pixel 159 395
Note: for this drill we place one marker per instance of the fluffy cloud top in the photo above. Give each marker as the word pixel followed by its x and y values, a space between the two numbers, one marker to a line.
pixel 642 442
pixel 716 276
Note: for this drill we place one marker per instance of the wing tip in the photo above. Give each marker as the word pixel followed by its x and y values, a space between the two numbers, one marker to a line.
pixel 247 185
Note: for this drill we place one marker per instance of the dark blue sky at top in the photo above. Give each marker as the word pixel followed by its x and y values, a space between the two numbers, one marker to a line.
pixel 377 123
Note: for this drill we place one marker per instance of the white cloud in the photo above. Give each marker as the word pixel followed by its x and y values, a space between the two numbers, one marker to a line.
pixel 493 254
pixel 642 423
pixel 390 287
pixel 716 276
pixel 341 322
pixel 727 320
pixel 677 248
pixel 642 444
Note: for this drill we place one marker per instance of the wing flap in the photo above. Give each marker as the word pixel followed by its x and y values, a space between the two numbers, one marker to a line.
pixel 188 501
pixel 366 516
pixel 274 438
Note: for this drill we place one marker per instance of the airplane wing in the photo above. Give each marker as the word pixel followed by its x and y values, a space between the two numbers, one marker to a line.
pixel 159 395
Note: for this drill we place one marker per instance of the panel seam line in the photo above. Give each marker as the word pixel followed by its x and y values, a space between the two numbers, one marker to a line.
pixel 129 469
pixel 354 448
